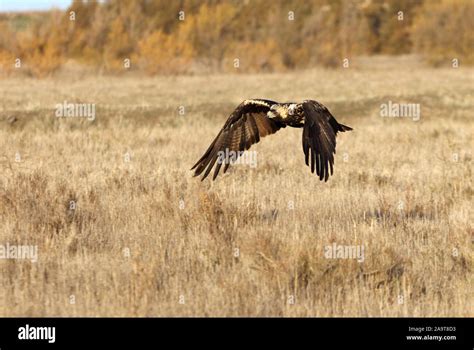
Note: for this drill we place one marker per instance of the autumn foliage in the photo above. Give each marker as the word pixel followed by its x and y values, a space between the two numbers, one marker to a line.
pixel 445 30
pixel 187 36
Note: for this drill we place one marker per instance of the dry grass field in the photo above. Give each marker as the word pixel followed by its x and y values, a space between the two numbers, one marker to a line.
pixel 144 238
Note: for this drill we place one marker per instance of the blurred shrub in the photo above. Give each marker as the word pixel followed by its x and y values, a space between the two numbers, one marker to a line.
pixel 7 57
pixel 444 30
pixel 210 31
pixel 164 53
pixel 41 50
pixel 210 35
pixel 254 57
pixel 118 46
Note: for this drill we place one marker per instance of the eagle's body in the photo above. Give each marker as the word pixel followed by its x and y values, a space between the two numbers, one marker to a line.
pixel 256 118
pixel 289 114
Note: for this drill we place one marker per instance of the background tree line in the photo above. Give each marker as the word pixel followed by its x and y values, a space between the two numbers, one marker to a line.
pixel 191 36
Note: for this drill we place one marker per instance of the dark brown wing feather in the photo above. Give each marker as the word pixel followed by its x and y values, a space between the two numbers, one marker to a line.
pixel 319 138
pixel 245 126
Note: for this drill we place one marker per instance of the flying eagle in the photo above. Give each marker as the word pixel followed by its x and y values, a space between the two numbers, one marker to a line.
pixel 256 118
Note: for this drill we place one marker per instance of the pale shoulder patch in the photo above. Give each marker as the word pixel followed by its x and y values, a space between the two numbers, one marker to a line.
pixel 256 102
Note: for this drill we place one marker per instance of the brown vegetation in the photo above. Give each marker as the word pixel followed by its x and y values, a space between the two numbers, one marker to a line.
pixel 253 241
pixel 188 36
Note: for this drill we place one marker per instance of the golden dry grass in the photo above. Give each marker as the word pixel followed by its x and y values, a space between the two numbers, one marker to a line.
pixel 235 246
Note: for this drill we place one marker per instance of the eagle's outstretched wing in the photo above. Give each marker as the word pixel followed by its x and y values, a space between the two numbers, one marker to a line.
pixel 319 138
pixel 245 126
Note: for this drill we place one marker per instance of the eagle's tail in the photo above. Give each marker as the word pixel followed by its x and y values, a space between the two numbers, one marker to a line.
pixel 343 128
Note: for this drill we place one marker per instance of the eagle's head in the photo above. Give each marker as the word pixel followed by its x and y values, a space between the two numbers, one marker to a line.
pixel 284 110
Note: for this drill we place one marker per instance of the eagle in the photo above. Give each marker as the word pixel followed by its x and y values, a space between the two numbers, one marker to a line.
pixel 257 118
